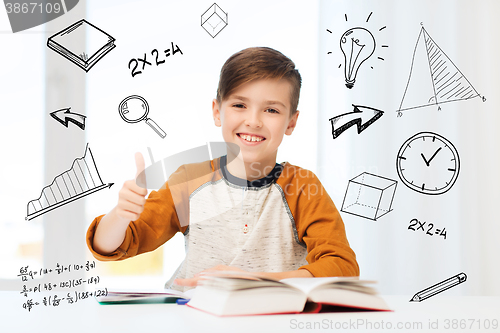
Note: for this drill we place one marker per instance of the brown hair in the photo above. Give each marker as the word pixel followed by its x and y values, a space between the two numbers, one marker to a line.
pixel 256 63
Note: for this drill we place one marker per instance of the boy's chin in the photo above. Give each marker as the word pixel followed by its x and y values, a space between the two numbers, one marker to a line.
pixel 253 159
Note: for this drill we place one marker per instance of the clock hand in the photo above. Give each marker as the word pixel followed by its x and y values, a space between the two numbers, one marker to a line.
pixel 427 163
pixel 433 156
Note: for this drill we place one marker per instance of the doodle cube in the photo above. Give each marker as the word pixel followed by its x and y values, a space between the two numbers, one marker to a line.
pixel 369 196
pixel 214 20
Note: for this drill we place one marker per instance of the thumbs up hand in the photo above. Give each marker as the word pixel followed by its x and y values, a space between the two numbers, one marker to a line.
pixel 132 197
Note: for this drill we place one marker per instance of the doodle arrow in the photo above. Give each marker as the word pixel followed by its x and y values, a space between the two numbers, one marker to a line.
pixel 358 117
pixel 65 115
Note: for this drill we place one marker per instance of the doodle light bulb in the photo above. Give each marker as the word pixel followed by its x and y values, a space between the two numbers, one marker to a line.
pixel 357 44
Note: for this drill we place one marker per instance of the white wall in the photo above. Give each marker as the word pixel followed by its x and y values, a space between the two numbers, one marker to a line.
pixel 406 261
pixel 180 91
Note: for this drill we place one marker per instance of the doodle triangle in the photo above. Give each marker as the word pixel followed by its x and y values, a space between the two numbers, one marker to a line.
pixel 434 78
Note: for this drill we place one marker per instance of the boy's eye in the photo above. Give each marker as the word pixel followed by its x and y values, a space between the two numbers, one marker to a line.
pixel 238 106
pixel 272 110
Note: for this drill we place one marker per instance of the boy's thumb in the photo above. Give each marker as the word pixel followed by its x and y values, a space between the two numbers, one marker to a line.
pixel 140 165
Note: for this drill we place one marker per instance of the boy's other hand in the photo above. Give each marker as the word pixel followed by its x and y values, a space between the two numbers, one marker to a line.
pixel 192 282
pixel 131 198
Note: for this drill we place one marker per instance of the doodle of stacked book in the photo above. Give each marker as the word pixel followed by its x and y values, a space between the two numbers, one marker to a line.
pixel 82 43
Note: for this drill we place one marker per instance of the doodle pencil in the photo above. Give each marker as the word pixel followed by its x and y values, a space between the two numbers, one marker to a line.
pixel 439 287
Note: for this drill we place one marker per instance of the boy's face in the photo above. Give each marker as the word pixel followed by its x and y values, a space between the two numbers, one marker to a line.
pixel 255 117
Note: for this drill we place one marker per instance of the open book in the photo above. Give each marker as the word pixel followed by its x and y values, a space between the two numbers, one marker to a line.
pixel 241 295
pixel 124 296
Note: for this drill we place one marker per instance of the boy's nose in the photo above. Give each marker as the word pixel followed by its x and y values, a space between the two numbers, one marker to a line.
pixel 253 120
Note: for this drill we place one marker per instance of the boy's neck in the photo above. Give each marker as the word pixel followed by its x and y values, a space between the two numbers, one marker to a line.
pixel 249 171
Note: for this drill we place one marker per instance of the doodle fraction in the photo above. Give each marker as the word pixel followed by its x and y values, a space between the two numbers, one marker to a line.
pixel 428 163
pixel 427 228
pixel 79 181
pixel 138 65
pixel 56 282
pixel 25 273
pixel 357 45
pixel 434 79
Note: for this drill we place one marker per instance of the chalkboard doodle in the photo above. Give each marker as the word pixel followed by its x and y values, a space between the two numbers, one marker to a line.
pixel 65 116
pixel 63 287
pixel 158 59
pixel 428 163
pixel 134 109
pixel 213 20
pixel 82 43
pixel 369 196
pixel 25 273
pixel 428 229
pixel 79 181
pixel 434 79
pixel 362 117
pixel 357 45
pixel 439 287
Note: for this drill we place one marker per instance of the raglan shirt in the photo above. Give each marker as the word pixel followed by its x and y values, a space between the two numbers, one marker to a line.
pixel 284 221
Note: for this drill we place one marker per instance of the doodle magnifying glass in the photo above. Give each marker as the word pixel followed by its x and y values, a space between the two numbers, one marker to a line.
pixel 134 109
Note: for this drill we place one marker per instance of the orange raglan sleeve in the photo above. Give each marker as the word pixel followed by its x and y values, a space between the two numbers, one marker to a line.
pixel 157 224
pixel 319 225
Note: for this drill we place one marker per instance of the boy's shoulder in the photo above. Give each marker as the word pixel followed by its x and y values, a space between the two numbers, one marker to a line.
pixel 299 184
pixel 200 171
pixel 297 174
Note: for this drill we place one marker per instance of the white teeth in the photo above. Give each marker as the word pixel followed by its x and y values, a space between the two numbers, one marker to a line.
pixel 251 138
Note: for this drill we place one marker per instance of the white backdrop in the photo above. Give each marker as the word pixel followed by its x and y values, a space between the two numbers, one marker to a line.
pixel 402 260
pixel 180 91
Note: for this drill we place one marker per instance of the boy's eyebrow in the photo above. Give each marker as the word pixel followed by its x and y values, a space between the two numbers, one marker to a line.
pixel 244 99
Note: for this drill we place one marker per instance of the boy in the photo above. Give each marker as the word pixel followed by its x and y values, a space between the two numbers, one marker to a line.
pixel 242 211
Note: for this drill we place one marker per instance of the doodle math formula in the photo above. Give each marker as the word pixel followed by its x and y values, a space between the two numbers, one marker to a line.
pixel 137 66
pixel 63 286
pixel 428 229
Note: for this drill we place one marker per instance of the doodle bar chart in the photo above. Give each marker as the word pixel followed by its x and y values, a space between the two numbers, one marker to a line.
pixel 80 180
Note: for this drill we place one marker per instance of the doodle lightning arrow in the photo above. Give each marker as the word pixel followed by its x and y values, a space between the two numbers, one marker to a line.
pixel 65 115
pixel 355 117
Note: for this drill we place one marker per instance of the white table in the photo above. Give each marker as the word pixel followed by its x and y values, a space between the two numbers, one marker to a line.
pixel 89 316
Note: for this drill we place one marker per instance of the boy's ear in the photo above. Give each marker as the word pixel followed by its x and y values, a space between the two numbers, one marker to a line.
pixel 216 112
pixel 292 123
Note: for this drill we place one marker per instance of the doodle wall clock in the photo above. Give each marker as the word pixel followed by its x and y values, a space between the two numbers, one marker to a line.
pixel 428 163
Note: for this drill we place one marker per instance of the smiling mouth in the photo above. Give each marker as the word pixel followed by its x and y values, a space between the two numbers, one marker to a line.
pixel 251 138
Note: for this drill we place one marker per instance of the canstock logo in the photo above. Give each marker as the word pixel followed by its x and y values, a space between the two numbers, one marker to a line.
pixel 26 14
